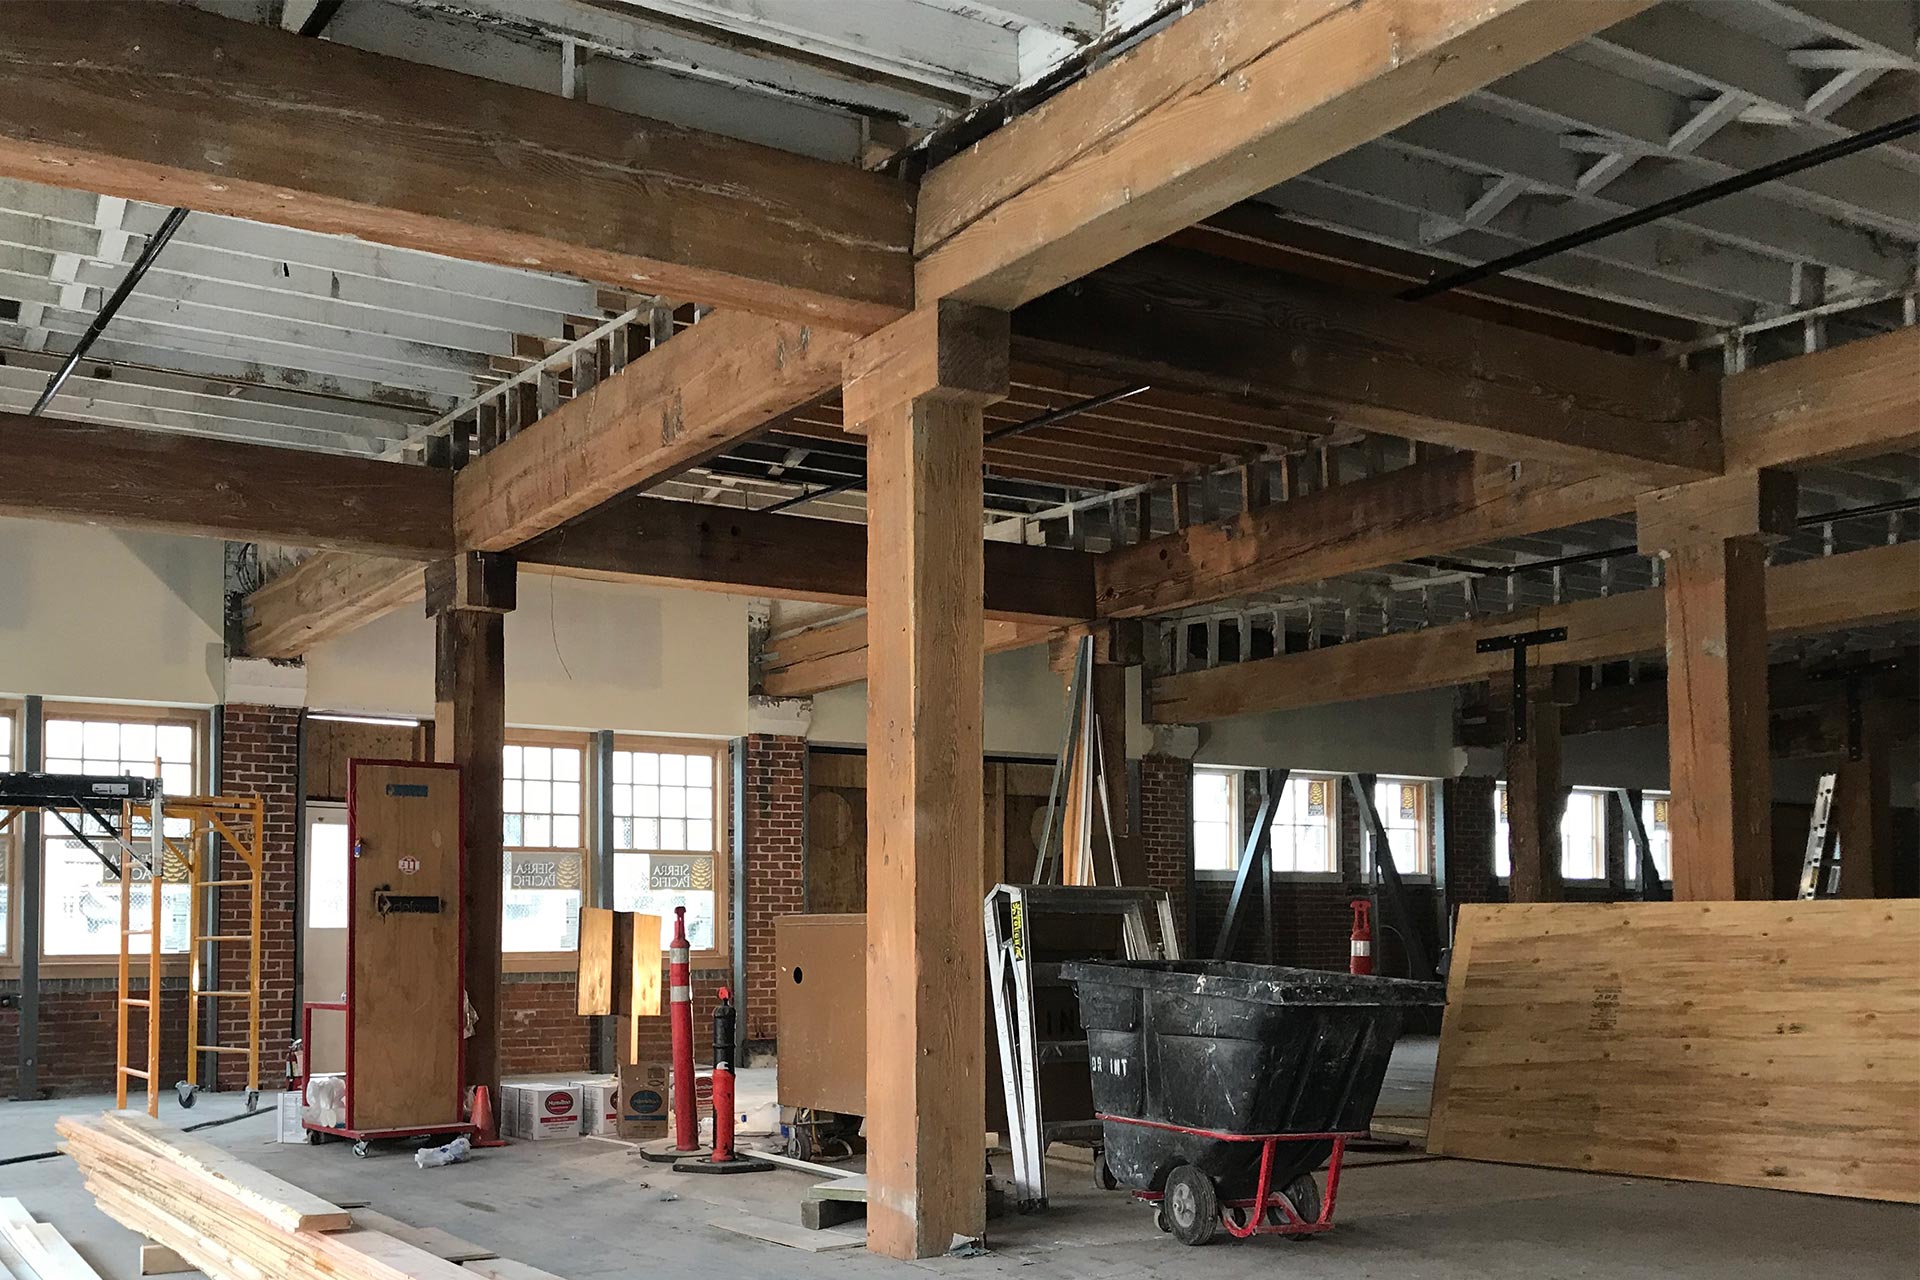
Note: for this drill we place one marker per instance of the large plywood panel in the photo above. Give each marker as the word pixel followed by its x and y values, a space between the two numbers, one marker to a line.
pixel 823 1011
pixel 1760 1044
pixel 403 967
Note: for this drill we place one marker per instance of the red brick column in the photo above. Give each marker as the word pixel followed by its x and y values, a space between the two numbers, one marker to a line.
pixel 1166 831
pixel 1470 826
pixel 260 755
pixel 776 802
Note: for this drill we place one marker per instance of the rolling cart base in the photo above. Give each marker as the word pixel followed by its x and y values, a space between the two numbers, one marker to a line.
pixel 1294 1210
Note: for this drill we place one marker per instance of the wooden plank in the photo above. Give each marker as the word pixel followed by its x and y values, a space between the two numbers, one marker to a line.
pixel 275 1200
pixel 158 1260
pixel 1536 799
pixel 1571 1028
pixel 441 1244
pixel 1860 588
pixel 405 1041
pixel 176 106
pixel 791 1235
pixel 325 597
pixel 712 548
pixel 39 1246
pixel 1224 103
pixel 708 388
pixel 506 1269
pixel 1436 506
pixel 1185 320
pixel 926 990
pixel 837 654
pixel 129 479
pixel 1853 400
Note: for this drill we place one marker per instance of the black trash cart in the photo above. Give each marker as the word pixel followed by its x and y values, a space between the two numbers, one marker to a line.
pixel 1222 1087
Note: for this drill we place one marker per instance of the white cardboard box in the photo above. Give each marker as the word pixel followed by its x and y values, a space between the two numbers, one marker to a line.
pixel 535 1112
pixel 600 1107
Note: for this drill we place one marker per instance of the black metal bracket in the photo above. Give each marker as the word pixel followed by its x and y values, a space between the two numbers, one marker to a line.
pixel 1390 889
pixel 1255 858
pixel 388 903
pixel 1652 889
pixel 1520 642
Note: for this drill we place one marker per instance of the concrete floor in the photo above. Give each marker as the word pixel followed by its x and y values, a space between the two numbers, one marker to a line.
pixel 587 1209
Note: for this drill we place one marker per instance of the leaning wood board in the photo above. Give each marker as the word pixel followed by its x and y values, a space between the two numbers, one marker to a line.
pixel 1758 1044
pixel 403 974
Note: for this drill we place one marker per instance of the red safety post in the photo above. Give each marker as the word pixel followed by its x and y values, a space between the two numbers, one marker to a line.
pixel 1360 949
pixel 724 1158
pixel 686 1117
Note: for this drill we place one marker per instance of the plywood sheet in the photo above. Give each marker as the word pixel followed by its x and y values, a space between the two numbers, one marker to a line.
pixel 1760 1044
pixel 619 966
pixel 403 966
pixel 823 1011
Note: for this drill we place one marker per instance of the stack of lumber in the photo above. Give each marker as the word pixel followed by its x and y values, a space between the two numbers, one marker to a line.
pixel 226 1217
pixel 1757 1044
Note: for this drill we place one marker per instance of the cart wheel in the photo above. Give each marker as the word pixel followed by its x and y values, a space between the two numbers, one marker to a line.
pixel 185 1092
pixel 315 1137
pixel 1191 1206
pixel 253 1100
pixel 1103 1179
pixel 1303 1193
pixel 362 1149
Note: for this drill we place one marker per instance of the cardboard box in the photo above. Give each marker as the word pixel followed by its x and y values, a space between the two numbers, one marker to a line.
pixel 536 1112
pixel 288 1122
pixel 643 1100
pixel 600 1106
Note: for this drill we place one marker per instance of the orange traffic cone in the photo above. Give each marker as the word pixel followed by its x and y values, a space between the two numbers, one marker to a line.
pixel 486 1133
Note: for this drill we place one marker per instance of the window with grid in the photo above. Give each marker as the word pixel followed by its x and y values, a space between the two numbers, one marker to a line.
pixel 6 841
pixel 1216 819
pixel 667 829
pixel 1583 835
pixel 543 798
pixel 1305 826
pixel 1656 814
pixel 1402 805
pixel 81 912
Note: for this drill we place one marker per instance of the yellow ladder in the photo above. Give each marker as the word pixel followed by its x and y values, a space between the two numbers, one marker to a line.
pixel 124 1069
pixel 235 823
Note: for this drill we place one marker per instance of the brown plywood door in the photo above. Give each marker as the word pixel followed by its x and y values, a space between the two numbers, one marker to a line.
pixel 404 980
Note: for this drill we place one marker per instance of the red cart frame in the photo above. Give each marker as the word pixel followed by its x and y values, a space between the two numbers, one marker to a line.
pixel 358 1136
pixel 1267 1202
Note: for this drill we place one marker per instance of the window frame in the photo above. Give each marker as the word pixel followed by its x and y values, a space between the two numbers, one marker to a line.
pixel 720 955
pixel 1648 799
pixel 1429 851
pixel 1335 791
pixel 591 796
pixel 200 721
pixel 1600 797
pixel 1236 820
pixel 14 711
pixel 1597 797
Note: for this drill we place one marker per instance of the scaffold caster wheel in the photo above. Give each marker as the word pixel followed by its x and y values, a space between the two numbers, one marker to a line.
pixel 1103 1179
pixel 362 1149
pixel 253 1100
pixel 185 1092
pixel 1191 1205
pixel 315 1137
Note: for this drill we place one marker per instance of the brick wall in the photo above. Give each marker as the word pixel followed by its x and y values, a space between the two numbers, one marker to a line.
pixel 1470 830
pixel 260 755
pixel 656 1034
pixel 1166 831
pixel 77 1036
pixel 540 1034
pixel 776 802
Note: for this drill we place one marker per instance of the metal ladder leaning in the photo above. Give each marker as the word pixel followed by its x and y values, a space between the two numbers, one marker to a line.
pixel 1015 980
pixel 154 860
pixel 1820 874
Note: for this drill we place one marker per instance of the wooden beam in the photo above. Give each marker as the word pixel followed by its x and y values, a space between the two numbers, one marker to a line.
pixel 1861 588
pixel 207 487
pixel 707 389
pixel 179 107
pixel 926 987
pixel 325 597
pixel 1711 539
pixel 1227 101
pixel 1854 400
pixel 1537 796
pixel 712 548
pixel 803 663
pixel 472 594
pixel 1863 808
pixel 1186 320
pixel 1451 502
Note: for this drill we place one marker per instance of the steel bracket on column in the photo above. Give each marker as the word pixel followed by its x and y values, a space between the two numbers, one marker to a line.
pixel 1520 642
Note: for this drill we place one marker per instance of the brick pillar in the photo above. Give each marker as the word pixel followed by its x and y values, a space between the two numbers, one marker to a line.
pixel 1470 825
pixel 1166 831
pixel 260 755
pixel 776 801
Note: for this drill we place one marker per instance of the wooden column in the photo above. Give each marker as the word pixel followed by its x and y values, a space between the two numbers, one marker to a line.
pixel 1117 645
pixel 468 598
pixel 917 389
pixel 1863 808
pixel 1536 794
pixel 1711 539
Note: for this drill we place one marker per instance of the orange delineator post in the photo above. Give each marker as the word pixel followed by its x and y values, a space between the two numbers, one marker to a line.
pixel 686 1117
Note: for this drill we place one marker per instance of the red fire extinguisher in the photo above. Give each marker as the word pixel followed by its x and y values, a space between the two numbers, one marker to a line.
pixel 1360 948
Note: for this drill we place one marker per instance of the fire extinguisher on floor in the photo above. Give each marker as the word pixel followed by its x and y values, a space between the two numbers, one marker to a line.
pixel 1360 947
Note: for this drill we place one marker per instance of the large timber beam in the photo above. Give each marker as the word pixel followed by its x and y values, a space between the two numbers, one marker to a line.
pixel 324 597
pixel 1848 401
pixel 1227 101
pixel 213 488
pixel 803 663
pixel 708 388
pixel 1861 588
pixel 180 107
pixel 1189 320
